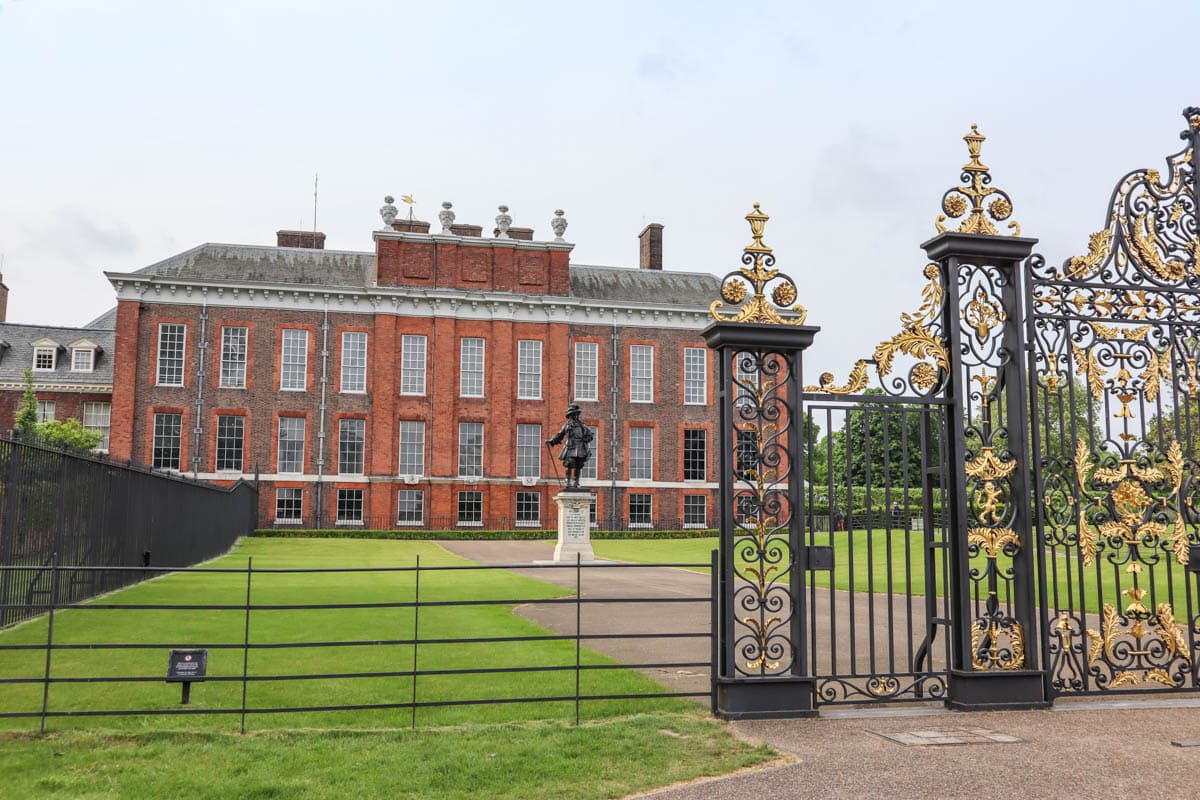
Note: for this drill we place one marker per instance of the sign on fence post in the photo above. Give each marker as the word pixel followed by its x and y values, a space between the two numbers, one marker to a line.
pixel 187 667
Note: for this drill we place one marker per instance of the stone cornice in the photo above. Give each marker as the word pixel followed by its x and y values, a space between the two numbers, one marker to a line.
pixel 470 241
pixel 42 386
pixel 406 301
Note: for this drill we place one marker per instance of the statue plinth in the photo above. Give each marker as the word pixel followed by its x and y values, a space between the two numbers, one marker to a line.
pixel 574 526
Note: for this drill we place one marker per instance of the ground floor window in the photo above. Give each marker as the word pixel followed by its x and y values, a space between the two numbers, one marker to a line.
pixel 410 507
pixel 529 508
pixel 695 511
pixel 96 417
pixel 592 510
pixel 640 510
pixel 470 508
pixel 168 431
pixel 350 506
pixel 288 505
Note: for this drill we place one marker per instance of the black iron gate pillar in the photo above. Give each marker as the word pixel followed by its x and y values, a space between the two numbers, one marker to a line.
pixel 762 655
pixel 994 619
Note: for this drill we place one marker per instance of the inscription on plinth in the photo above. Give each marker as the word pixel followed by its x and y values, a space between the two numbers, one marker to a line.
pixel 574 527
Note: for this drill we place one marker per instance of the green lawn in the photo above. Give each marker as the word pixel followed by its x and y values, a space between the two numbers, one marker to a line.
pixel 531 760
pixel 867 552
pixel 181 628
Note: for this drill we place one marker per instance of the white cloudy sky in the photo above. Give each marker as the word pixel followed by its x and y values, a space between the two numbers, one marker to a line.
pixel 130 131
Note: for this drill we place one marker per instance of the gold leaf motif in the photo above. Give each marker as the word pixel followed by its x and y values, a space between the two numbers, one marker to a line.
pixel 916 338
pixel 987 466
pixel 975 189
pixel 758 309
pixel 1145 242
pixel 1099 246
pixel 993 540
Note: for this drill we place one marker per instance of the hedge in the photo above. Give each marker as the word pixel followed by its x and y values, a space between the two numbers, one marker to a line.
pixel 477 535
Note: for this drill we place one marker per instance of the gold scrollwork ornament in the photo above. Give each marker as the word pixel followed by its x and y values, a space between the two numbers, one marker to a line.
pixel 759 273
pixel 975 189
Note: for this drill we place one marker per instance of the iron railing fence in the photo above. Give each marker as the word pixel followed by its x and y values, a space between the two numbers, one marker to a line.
pixel 419 661
pixel 544 525
pixel 98 513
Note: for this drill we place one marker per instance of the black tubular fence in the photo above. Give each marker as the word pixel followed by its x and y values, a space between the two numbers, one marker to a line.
pixel 420 658
pixel 96 513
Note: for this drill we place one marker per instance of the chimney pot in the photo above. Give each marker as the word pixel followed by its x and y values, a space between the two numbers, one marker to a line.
pixel 650 247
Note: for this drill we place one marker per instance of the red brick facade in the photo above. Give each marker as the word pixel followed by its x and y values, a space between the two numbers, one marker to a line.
pixel 497 290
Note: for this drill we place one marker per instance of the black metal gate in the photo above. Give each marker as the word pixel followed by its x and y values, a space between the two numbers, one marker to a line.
pixel 1115 341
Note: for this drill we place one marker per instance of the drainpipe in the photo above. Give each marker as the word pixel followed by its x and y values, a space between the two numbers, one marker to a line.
pixel 198 427
pixel 321 413
pixel 612 432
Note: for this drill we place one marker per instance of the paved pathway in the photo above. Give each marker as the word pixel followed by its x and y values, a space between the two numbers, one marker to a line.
pixel 1087 748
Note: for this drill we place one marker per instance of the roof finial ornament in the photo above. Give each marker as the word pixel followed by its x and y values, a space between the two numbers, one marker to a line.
pixel 503 221
pixel 559 225
pixel 388 212
pixel 976 180
pixel 446 217
pixel 759 262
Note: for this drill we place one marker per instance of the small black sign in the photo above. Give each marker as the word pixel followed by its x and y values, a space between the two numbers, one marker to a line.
pixel 187 665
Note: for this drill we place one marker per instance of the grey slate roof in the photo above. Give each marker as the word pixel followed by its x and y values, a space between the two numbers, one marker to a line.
pixel 105 322
pixel 18 356
pixel 621 284
pixel 227 262
pixel 238 262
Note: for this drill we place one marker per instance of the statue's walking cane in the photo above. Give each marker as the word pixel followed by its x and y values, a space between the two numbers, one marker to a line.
pixel 554 461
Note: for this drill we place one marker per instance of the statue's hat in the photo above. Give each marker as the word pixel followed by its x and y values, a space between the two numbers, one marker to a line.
pixel 573 409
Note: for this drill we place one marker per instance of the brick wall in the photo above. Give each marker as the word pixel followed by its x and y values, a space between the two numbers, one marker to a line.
pixel 472 264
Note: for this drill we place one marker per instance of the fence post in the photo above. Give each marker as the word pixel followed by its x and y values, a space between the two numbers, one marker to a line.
pixel 416 637
pixel 49 636
pixel 714 654
pixel 246 640
pixel 994 661
pixel 578 594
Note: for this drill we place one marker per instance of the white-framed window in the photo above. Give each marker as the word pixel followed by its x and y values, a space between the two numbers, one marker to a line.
pixel 231 438
pixel 641 454
pixel 641 510
pixel 592 511
pixel 97 417
pixel 410 507
pixel 289 504
pixel 168 438
pixel 641 373
pixel 470 508
pixel 529 369
pixel 412 364
pixel 293 362
pixel 234 346
pixel 587 370
pixel 354 362
pixel 352 437
pixel 695 511
pixel 695 454
pixel 470 449
pixel 470 369
pixel 746 377
pixel 83 359
pixel 745 461
pixel 45 410
pixel 695 376
pixel 291 445
pixel 529 450
pixel 529 509
pixel 45 359
pixel 171 340
pixel 592 468
pixel 412 447
pixel 349 506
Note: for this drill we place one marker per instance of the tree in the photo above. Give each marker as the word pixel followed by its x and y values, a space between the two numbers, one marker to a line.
pixel 69 434
pixel 26 422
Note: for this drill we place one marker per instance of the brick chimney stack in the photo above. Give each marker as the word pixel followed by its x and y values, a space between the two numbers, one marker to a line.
pixel 309 240
pixel 650 246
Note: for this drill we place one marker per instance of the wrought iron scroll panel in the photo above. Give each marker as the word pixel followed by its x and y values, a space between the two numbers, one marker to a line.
pixel 1115 407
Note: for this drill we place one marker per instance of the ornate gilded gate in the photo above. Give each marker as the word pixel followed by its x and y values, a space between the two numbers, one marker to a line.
pixel 1115 343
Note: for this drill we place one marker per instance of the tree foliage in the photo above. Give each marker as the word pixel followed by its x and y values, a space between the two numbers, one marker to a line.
pixel 26 422
pixel 68 433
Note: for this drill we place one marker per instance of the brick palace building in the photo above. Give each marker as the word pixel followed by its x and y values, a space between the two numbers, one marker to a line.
pixel 415 385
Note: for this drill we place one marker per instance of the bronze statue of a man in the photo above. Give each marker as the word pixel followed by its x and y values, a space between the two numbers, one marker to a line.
pixel 575 453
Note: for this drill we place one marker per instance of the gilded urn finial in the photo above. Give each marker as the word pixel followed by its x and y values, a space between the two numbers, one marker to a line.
pixel 967 200
pixel 759 272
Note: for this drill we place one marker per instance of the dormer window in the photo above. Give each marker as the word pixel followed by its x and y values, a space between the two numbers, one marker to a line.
pixel 83 355
pixel 82 359
pixel 44 359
